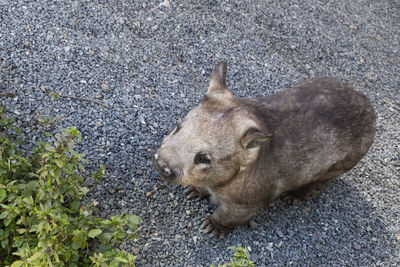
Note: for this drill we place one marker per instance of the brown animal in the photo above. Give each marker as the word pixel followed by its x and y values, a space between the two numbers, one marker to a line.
pixel 245 153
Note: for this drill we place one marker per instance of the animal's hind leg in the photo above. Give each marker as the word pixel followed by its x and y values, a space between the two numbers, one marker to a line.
pixel 308 191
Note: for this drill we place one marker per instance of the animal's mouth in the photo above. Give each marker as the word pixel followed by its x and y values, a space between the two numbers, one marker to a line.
pixel 168 180
pixel 166 173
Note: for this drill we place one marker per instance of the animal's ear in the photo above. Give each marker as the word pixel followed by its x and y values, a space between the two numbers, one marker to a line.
pixel 218 80
pixel 254 138
pixel 218 77
pixel 218 96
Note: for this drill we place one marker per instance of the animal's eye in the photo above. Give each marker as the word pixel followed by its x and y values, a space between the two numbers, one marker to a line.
pixel 178 128
pixel 202 158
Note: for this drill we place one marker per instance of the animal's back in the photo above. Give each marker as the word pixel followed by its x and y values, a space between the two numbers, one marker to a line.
pixel 320 129
pixel 335 107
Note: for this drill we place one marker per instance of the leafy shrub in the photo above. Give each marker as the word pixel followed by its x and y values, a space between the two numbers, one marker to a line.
pixel 241 258
pixel 43 221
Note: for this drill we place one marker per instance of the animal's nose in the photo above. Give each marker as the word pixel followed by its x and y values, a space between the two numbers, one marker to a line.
pixel 166 172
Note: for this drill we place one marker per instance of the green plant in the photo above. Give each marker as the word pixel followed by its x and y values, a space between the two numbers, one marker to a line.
pixel 241 258
pixel 43 219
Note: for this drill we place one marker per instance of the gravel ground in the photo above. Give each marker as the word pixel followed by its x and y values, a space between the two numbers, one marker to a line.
pixel 149 62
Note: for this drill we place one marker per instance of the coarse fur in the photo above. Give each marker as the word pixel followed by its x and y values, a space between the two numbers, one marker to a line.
pixel 246 153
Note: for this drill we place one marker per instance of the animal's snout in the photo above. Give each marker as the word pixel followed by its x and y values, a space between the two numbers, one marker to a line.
pixel 168 174
pixel 162 167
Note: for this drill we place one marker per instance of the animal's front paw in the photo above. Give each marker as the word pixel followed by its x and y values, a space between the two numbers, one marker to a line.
pixel 211 227
pixel 193 192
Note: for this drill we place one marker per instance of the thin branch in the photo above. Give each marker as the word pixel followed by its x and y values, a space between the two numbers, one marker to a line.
pixel 85 99
pixel 130 128
pixel 391 104
pixel 137 230
pixel 9 95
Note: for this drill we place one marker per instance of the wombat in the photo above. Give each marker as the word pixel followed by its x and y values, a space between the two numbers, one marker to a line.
pixel 245 153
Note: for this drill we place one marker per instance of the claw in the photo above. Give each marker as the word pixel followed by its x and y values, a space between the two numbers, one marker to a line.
pixel 295 200
pixel 192 195
pixel 214 232
pixel 210 227
pixel 188 190
pixel 192 192
pixel 205 223
pixel 223 234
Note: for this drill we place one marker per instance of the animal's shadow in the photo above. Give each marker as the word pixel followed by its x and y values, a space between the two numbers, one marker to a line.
pixel 338 225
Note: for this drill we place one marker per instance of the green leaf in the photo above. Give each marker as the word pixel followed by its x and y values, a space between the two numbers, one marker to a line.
pixel 131 257
pixel 75 205
pixel 59 163
pixel 106 222
pixel 48 147
pixel 94 232
pixel 67 255
pixel 21 231
pixel 4 243
pixel 120 235
pixel 3 194
pixel 114 263
pixel 107 237
pixel 120 259
pixel 34 256
pixel 32 185
pixel 233 248
pixel 84 190
pixel 134 220
pixel 17 263
pixel 76 244
pixel 83 243
pixel 63 221
pixel 43 174
pixel 55 96
pixel 3 215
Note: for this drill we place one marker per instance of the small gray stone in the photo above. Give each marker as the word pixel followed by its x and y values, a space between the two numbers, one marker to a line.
pixel 104 87
pixel 280 234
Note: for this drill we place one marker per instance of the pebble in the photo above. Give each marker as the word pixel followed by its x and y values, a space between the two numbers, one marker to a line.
pixel 280 234
pixel 105 88
pixel 2 85
pixel 135 250
pixel 371 77
pixel 165 3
